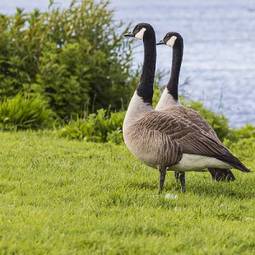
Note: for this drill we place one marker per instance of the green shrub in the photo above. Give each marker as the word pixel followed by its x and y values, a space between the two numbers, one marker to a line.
pixel 243 147
pixel 245 132
pixel 115 137
pixel 25 113
pixel 74 57
pixel 99 127
pixel 248 131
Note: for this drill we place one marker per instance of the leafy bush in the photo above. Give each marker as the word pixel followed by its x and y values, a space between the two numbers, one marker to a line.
pixel 74 57
pixel 25 113
pixel 115 136
pixel 100 127
pixel 245 132
pixel 243 147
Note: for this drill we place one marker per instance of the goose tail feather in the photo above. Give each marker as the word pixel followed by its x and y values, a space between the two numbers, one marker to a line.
pixel 235 162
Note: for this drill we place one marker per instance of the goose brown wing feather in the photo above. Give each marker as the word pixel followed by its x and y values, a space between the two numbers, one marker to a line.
pixel 180 130
pixel 200 121
pixel 193 116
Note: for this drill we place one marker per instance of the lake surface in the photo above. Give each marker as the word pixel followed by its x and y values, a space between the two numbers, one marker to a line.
pixel 219 54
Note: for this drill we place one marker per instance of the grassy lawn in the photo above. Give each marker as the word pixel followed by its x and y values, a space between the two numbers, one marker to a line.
pixel 66 197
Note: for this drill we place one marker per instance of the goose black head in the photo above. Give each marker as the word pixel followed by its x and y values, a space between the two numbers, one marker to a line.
pixel 172 39
pixel 141 31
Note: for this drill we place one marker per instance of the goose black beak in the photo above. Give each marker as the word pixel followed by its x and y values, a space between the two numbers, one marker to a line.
pixel 129 34
pixel 160 42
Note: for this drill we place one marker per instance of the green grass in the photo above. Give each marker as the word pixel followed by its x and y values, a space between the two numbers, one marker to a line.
pixel 67 197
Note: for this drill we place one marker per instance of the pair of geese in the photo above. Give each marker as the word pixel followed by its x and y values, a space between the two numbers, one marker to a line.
pixel 171 137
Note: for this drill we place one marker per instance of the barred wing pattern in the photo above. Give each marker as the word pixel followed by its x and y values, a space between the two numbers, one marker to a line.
pixel 178 133
pixel 192 115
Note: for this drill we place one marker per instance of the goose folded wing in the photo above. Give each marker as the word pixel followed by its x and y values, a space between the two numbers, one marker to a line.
pixel 192 139
pixel 194 117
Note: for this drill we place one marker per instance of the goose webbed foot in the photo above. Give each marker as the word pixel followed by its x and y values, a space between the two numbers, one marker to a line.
pixel 180 176
pixel 162 175
pixel 221 174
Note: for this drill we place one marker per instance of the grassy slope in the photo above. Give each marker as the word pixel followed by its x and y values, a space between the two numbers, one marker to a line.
pixel 67 197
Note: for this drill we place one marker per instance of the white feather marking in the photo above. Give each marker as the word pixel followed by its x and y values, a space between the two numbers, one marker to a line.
pixel 197 162
pixel 166 100
pixel 140 34
pixel 171 41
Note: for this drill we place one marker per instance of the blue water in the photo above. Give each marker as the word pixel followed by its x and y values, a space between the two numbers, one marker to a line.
pixel 219 54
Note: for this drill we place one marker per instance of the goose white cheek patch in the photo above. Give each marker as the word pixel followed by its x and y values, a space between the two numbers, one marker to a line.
pixel 171 41
pixel 140 34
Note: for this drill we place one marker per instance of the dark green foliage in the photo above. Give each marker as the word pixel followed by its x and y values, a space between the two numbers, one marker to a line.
pixel 115 136
pixel 247 131
pixel 75 57
pixel 100 127
pixel 25 113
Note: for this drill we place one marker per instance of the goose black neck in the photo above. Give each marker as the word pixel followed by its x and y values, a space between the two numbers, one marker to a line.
pixel 173 83
pixel 145 88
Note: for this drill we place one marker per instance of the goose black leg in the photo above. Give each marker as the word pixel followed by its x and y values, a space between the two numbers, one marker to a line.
pixel 177 176
pixel 162 175
pixel 182 180
pixel 180 176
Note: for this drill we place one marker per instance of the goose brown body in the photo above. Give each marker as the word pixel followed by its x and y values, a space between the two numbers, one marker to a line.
pixel 170 97
pixel 163 138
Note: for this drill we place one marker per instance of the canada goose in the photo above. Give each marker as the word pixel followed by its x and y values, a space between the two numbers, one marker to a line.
pixel 168 140
pixel 170 94
pixel 170 97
